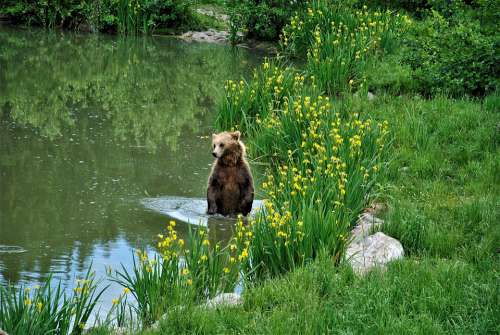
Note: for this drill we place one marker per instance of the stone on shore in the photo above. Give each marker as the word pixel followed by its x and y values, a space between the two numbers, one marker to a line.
pixel 209 36
pixel 373 251
pixel 225 299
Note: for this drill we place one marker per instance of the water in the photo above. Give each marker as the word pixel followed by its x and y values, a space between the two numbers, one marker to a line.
pixel 90 125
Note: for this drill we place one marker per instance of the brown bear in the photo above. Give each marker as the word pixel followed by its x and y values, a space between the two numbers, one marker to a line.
pixel 230 185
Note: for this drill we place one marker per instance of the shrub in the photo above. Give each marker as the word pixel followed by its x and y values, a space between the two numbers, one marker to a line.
pixel 438 66
pixel 146 15
pixel 126 16
pixel 44 13
pixel 262 19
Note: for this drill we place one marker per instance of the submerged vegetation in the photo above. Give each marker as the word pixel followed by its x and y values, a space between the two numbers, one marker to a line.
pixel 330 152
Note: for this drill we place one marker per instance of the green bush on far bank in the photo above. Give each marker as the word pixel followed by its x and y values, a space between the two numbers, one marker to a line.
pixel 451 48
pixel 262 19
pixel 124 16
pixel 452 56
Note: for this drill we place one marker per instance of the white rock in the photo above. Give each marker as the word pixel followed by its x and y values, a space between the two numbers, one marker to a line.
pixel 225 299
pixel 120 331
pixel 367 223
pixel 156 326
pixel 210 36
pixel 370 96
pixel 374 250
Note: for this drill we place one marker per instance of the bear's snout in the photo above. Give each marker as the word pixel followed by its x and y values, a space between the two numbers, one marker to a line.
pixel 214 154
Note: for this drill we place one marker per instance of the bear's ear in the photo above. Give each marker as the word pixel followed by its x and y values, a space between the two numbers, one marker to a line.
pixel 236 135
pixel 213 136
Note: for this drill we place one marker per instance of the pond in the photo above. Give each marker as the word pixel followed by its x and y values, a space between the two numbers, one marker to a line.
pixel 90 126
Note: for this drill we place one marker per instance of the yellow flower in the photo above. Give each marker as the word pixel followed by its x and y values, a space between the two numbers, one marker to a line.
pixel 185 271
pixel 244 254
pixel 126 290
pixel 206 242
pixel 27 301
pixel 189 282
pixel 39 306
pixel 204 258
pixel 226 270
pixel 115 301
pixel 181 242
pixel 351 82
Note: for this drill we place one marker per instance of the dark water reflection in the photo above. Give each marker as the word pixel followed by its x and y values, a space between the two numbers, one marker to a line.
pixel 89 125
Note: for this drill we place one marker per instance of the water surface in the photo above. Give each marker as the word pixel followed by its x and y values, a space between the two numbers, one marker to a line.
pixel 89 126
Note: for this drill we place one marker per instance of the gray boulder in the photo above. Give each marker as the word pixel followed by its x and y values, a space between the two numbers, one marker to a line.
pixel 225 299
pixel 373 251
pixel 209 36
pixel 367 223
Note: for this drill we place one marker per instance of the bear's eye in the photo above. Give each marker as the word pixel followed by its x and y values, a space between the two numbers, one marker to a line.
pixel 221 145
pixel 214 146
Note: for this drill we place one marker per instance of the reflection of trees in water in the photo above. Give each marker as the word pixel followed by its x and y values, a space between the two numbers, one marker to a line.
pixel 87 102
pixel 149 89
pixel 59 209
pixel 50 206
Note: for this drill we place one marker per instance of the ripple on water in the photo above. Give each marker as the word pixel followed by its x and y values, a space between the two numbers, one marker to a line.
pixel 11 249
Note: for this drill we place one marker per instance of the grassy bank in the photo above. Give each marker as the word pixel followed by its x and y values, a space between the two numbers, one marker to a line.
pixel 442 204
pixel 442 196
pixel 438 176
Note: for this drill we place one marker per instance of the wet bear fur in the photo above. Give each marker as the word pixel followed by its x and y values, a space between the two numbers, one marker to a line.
pixel 230 185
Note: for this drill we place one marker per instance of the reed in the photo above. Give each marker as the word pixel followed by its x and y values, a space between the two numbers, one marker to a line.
pixel 47 309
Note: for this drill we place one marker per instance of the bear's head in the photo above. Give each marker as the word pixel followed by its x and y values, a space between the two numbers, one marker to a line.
pixel 228 147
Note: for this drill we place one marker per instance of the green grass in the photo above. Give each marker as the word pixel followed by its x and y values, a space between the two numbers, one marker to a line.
pixel 441 187
pixel 445 175
pixel 443 199
pixel 429 296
